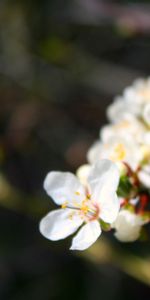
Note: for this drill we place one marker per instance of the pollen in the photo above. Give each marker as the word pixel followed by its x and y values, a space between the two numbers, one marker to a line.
pixel 84 207
pixel 64 205
pixel 88 196
pixel 77 193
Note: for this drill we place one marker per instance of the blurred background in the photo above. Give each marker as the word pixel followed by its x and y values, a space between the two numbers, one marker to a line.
pixel 61 64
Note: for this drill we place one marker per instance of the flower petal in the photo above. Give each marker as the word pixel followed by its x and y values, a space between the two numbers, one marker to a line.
pixel 82 173
pixel 86 236
pixel 109 208
pixel 128 226
pixel 104 180
pixel 64 187
pixel 59 224
pixel 104 177
pixel 93 153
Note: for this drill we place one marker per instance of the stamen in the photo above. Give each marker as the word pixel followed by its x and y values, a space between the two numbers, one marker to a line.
pixel 77 193
pixel 64 205
pixel 87 209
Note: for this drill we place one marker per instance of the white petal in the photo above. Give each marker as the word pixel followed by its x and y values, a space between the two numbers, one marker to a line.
pixel 103 178
pixel 130 237
pixel 59 224
pixel 86 236
pixel 62 187
pixel 109 208
pixel 83 173
pixel 123 107
pixel 116 110
pixel 146 138
pixel 93 153
pixel 144 177
pixel 128 226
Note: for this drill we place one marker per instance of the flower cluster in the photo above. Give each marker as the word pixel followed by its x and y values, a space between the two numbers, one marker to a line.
pixel 112 191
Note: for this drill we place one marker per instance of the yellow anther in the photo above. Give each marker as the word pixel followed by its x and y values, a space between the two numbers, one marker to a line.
pixel 84 206
pixel 77 193
pixel 84 209
pixel 64 205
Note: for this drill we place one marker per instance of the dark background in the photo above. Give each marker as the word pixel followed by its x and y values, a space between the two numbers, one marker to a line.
pixel 61 64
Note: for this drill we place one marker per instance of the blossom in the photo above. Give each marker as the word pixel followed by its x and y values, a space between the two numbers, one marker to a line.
pixel 130 126
pixel 122 108
pixel 128 226
pixel 133 102
pixel 81 205
pixel 118 161
pixel 139 91
pixel 118 149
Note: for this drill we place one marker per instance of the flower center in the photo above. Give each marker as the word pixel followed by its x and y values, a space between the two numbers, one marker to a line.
pixel 87 209
pixel 119 152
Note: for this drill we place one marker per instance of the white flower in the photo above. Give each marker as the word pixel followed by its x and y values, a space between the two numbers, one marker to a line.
pixel 81 206
pixel 117 149
pixel 127 127
pixel 139 92
pixel 132 102
pixel 128 226
pixel 121 109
